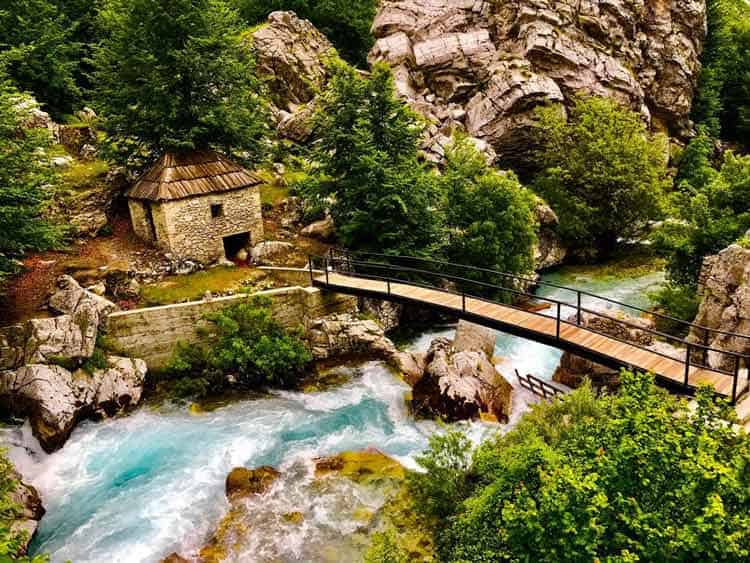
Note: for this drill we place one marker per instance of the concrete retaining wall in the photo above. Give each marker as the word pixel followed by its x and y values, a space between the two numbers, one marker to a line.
pixel 152 334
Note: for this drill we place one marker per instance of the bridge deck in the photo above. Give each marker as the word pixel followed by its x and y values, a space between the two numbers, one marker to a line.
pixel 541 328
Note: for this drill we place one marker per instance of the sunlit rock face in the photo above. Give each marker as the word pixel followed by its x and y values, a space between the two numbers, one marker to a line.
pixel 483 66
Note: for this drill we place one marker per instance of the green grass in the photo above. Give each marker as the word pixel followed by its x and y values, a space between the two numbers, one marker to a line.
pixel 273 195
pixel 175 289
pixel 84 174
pixel 627 265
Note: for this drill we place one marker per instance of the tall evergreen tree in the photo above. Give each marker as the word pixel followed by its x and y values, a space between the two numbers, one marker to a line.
pixel 173 75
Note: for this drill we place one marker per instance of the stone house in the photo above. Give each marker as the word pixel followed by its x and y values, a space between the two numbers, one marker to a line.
pixel 198 205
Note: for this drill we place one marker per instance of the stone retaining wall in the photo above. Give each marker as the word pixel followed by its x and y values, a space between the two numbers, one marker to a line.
pixel 152 334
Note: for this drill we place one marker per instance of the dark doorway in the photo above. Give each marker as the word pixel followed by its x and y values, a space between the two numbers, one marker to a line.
pixel 235 243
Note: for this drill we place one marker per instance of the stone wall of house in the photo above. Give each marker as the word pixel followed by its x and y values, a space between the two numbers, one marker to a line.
pixel 186 228
pixel 152 334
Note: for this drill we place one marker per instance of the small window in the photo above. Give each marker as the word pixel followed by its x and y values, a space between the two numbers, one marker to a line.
pixel 217 210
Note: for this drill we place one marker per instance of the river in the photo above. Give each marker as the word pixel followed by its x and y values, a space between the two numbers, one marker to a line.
pixel 136 488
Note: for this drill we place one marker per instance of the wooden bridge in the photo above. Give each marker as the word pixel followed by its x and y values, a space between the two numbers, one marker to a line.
pixel 507 303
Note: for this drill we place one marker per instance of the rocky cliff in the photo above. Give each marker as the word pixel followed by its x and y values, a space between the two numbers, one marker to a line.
pixel 484 65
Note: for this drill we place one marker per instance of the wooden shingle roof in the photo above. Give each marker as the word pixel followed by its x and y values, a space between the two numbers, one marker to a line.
pixel 182 175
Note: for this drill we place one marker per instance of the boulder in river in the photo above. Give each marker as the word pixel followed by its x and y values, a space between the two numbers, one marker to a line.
pixel 54 398
pixel 364 467
pixel 242 482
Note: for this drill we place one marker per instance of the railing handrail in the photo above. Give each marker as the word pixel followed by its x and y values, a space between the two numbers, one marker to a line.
pixel 551 300
pixel 537 282
pixel 330 263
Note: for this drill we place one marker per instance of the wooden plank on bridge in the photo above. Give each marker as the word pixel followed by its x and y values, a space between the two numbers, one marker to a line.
pixel 543 326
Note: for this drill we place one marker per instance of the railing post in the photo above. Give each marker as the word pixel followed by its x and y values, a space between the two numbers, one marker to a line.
pixel 736 378
pixel 310 263
pixel 325 264
pixel 687 364
pixel 705 350
pixel 558 320
pixel 388 285
pixel 578 309
pixel 463 301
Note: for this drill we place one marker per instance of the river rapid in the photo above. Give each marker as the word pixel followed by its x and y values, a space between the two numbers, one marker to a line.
pixel 136 488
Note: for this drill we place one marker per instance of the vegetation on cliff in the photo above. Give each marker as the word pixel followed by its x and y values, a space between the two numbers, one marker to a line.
pixel 12 541
pixel 25 179
pixel 633 477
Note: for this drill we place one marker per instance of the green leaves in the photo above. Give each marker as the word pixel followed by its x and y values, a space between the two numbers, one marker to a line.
pixel 637 476
pixel 603 173
pixel 175 76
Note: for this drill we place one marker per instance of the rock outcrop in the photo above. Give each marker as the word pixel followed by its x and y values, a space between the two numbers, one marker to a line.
pixel 549 250
pixel 346 335
pixel 55 399
pixel 386 313
pixel 290 53
pixel 324 230
pixel 460 382
pixel 26 523
pixel 243 482
pixel 725 288
pixel 484 66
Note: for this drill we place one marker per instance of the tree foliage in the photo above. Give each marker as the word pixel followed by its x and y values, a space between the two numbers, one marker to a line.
pixel 712 210
pixel 489 214
pixel 174 75
pixel 41 52
pixel 347 24
pixel 26 181
pixel 722 99
pixel 637 476
pixel 603 173
pixel 244 341
pixel 382 198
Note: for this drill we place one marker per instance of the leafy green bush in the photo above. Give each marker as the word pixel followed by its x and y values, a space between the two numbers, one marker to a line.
pixel 381 197
pixel 678 301
pixel 637 476
pixel 489 215
pixel 603 173
pixel 346 24
pixel 244 342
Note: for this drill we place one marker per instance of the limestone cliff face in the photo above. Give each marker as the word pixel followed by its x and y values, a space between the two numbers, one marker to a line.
pixel 484 65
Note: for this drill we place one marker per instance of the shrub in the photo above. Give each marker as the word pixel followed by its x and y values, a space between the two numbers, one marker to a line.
pixel 678 301
pixel 638 476
pixel 245 342
pixel 603 173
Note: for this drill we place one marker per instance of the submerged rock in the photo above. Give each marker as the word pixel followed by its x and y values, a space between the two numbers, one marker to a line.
pixel 242 482
pixel 364 467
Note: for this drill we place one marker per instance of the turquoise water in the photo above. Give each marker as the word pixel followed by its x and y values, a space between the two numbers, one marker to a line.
pixel 137 488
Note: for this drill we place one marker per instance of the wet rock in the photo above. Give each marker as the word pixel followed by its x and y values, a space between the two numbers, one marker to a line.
pixel 243 482
pixel 365 467
pixel 174 558
pixel 323 230
pixel 54 398
pixel 484 67
pixel 386 313
pixel 347 335
pixel 725 289
pixel 32 510
pixel 460 385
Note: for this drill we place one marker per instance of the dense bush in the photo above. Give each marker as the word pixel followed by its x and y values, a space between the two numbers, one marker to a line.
pixel 243 342
pixel 710 217
pixel 637 476
pixel 381 197
pixel 722 100
pixel 173 75
pixel 26 181
pixel 678 301
pixel 603 173
pixel 346 24
pixel 489 214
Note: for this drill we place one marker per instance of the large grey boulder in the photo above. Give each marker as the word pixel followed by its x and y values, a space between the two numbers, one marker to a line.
pixel 347 335
pixel 549 250
pixel 725 289
pixel 69 297
pixel 461 385
pixel 55 399
pixel 498 61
